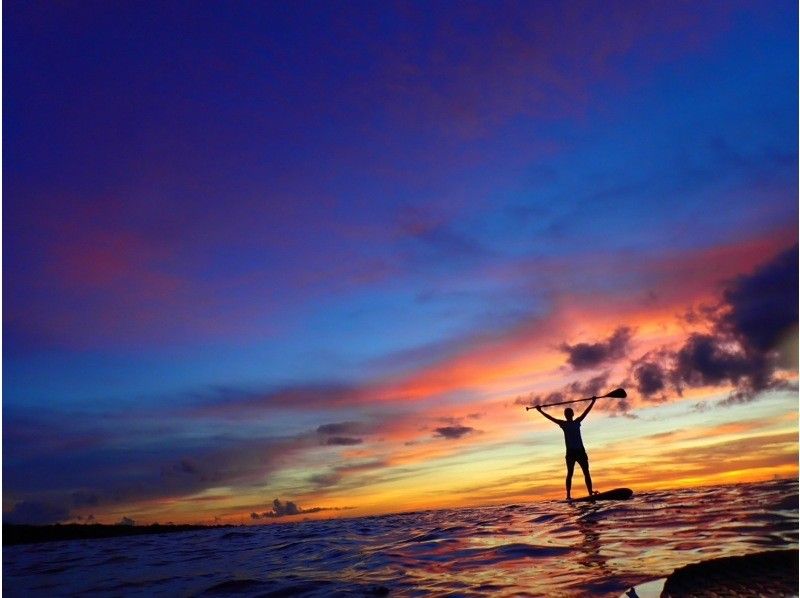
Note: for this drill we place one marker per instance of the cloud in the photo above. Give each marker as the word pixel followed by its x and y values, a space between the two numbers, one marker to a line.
pixel 322 480
pixel 743 344
pixel 337 475
pixel 288 509
pixel 237 404
pixel 343 428
pixel 533 399
pixel 649 379
pixel 36 513
pixel 746 395
pixel 763 305
pixel 452 432
pixel 589 388
pixel 437 243
pixel 651 374
pixel 709 360
pixel 582 390
pixel 140 460
pixel 343 433
pixel 521 53
pixel 574 390
pixel 146 456
pixel 280 509
pixel 729 351
pixel 343 441
pixel 590 355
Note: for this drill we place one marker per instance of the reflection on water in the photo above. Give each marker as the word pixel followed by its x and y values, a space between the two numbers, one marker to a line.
pixel 537 549
pixel 589 523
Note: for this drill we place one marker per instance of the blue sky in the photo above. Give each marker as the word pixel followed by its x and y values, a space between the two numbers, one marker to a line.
pixel 208 203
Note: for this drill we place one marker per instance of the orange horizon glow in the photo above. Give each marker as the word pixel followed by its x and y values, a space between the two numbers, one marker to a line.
pixel 498 452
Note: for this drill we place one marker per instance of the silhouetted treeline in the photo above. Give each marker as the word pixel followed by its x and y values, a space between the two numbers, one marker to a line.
pixel 27 534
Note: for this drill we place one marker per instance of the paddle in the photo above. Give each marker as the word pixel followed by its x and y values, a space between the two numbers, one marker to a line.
pixel 618 393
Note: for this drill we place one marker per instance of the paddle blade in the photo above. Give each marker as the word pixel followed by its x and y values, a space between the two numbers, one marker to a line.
pixel 618 394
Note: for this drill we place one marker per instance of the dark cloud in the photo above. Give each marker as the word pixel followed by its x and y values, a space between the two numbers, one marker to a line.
pixel 709 360
pixel 288 509
pixel 342 441
pixel 650 378
pixel 323 480
pixel 589 388
pixel 343 433
pixel 746 395
pixel 652 375
pixel 342 428
pixel 280 509
pixel 36 513
pixel 590 355
pixel 743 344
pixel 579 389
pixel 452 432
pixel 763 306
pixel 533 399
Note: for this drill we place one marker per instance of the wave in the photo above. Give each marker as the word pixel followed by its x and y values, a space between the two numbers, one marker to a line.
pixel 536 549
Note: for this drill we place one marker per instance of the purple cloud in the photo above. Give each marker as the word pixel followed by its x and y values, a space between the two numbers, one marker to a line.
pixel 453 432
pixel 343 441
pixel 288 509
pixel 743 347
pixel 590 355
pixel 343 428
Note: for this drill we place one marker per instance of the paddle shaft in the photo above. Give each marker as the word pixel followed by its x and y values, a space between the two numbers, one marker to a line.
pixel 619 393
pixel 563 402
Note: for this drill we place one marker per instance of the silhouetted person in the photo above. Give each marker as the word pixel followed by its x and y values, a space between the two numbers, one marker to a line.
pixel 575 450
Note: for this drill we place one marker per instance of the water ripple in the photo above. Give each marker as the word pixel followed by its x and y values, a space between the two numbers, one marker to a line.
pixel 538 549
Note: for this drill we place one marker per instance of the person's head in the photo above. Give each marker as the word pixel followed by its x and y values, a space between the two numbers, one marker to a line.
pixel 569 413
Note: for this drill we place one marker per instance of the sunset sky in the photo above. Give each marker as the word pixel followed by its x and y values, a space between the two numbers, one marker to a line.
pixel 325 253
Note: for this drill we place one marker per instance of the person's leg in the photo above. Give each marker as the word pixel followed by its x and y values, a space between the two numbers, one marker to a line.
pixel 584 463
pixel 570 469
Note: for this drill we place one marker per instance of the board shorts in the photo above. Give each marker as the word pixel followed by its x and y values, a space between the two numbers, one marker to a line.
pixel 577 456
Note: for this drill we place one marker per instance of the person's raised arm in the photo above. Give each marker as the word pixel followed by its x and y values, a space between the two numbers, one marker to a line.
pixel 550 417
pixel 586 412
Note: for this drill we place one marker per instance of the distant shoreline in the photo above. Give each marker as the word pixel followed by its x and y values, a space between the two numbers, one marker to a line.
pixel 30 534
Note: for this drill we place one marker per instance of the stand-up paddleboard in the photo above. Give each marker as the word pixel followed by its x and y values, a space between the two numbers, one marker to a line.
pixel 615 494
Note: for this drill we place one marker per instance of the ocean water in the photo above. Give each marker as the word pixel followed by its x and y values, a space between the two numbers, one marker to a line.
pixel 527 549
